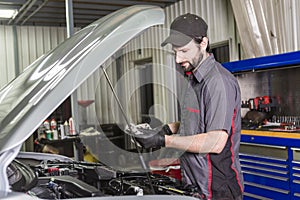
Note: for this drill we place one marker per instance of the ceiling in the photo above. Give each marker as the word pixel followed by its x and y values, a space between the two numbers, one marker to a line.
pixel 53 12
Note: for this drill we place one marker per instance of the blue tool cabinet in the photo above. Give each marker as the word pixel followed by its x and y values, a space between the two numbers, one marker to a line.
pixel 270 161
pixel 271 164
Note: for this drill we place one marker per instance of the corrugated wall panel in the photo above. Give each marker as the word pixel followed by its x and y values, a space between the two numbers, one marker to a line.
pixel 216 14
pixel 6 55
pixel 9 50
pixel 32 41
pixel 23 45
pixel 46 40
pixel 40 41
pixel 32 48
pixel 61 34
pixel 97 88
pixel 297 25
pixel 53 37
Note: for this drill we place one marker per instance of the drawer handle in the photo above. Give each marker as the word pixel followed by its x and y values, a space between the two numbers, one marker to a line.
pixel 295 149
pixel 262 156
pixel 296 175
pixel 263 163
pixel 255 196
pixel 265 169
pixel 264 145
pixel 296 168
pixel 296 194
pixel 295 181
pixel 265 175
pixel 268 188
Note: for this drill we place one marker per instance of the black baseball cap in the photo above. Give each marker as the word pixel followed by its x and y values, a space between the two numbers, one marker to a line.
pixel 184 28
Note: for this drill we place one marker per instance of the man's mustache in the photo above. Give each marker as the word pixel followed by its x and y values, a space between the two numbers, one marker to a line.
pixel 189 69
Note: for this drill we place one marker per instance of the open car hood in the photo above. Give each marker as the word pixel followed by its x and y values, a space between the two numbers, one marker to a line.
pixel 44 85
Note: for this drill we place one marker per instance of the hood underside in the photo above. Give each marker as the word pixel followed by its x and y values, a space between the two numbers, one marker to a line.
pixel 45 84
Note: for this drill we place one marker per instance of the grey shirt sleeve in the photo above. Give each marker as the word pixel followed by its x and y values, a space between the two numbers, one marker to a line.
pixel 219 103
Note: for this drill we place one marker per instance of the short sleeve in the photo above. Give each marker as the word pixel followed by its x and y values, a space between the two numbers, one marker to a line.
pixel 219 103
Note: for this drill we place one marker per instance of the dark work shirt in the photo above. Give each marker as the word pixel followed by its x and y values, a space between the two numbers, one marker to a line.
pixel 212 102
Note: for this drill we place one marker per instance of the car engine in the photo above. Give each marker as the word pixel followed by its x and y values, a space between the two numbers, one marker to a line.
pixel 66 180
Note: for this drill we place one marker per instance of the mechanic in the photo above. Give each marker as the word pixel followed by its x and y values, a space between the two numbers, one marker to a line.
pixel 209 130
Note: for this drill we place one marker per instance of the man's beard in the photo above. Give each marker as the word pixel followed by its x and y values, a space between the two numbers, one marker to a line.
pixel 194 64
pixel 190 68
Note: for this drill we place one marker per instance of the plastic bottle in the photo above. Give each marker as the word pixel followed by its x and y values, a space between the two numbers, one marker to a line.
pixel 53 124
pixel 55 134
pixel 62 131
pixel 72 126
pixel 66 128
pixel 47 125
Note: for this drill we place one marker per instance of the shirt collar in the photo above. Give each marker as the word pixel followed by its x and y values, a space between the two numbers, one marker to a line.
pixel 204 67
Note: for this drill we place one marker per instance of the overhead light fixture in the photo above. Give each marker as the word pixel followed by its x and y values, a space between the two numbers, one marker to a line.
pixel 8 13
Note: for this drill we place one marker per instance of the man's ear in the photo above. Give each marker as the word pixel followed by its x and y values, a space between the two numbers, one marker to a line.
pixel 204 42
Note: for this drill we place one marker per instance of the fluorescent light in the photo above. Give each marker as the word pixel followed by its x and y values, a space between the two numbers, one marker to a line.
pixel 7 13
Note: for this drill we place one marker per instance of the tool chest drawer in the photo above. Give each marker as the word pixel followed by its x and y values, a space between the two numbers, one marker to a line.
pixel 295 173
pixel 270 164
pixel 265 170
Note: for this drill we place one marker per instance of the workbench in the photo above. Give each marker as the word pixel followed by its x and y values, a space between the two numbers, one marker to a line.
pixel 270 163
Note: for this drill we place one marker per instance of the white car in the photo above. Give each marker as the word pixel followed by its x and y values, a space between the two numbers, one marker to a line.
pixel 31 97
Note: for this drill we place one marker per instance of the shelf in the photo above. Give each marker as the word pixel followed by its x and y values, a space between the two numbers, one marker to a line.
pixel 291 135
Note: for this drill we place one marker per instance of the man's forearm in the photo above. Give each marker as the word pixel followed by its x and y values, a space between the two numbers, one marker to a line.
pixel 212 142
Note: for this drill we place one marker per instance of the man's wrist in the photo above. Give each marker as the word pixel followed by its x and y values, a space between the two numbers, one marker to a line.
pixel 168 140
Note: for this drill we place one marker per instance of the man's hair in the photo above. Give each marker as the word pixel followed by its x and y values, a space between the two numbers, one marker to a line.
pixel 198 40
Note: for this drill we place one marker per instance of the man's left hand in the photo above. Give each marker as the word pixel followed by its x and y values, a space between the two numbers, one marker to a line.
pixel 150 138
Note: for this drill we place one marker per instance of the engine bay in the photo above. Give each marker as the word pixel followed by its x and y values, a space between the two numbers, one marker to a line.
pixel 66 180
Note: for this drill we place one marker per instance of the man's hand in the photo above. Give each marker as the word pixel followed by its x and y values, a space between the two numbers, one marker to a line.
pixel 151 138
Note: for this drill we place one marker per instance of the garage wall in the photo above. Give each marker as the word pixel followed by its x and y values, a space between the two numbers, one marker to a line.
pixel 31 42
pixel 217 13
pixel 34 41
pixel 219 16
pixel 7 64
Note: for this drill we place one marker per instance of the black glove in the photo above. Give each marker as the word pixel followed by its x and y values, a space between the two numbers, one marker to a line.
pixel 153 138
pixel 166 130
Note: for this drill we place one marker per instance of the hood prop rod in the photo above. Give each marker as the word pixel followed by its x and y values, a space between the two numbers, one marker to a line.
pixel 127 122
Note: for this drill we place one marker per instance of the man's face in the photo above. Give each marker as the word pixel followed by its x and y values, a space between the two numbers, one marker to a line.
pixel 188 56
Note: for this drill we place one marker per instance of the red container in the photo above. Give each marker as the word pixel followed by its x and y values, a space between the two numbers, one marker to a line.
pixel 167 166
